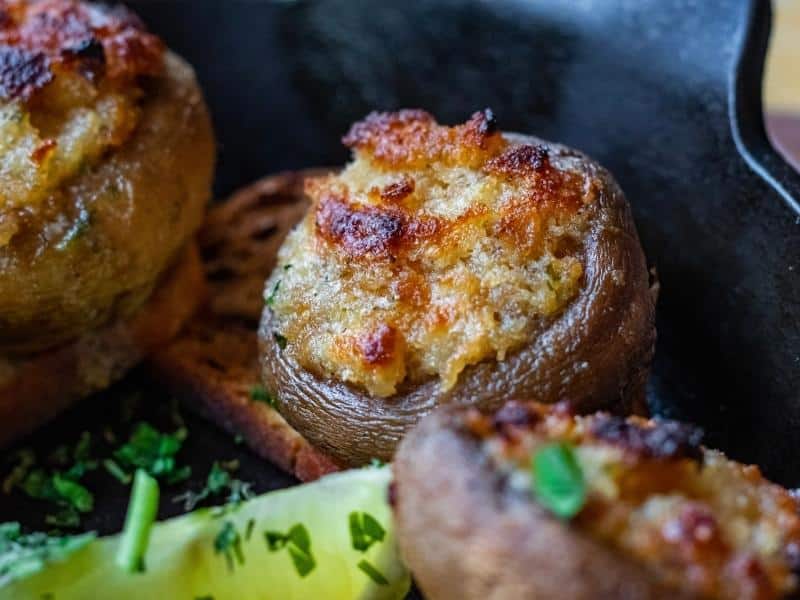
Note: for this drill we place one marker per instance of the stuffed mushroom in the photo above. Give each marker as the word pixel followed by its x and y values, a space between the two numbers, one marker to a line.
pixel 453 265
pixel 106 162
pixel 533 502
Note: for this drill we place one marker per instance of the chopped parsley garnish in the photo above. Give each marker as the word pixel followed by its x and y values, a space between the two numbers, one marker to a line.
pixel 142 512
pixel 229 543
pixel 219 480
pixel 81 225
pixel 116 471
pixel 558 482
pixel 219 477
pixel 280 340
pixel 239 492
pixel 153 451
pixel 258 393
pixel 22 555
pixel 372 572
pixel 287 267
pixel 60 487
pixel 298 543
pixel 83 448
pixel 365 531
pixel 74 493
pixel 270 300
pixel 248 532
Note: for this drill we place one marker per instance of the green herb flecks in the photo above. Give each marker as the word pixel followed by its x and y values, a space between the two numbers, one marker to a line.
pixel 142 512
pixel 365 531
pixel 298 543
pixel 229 543
pixel 219 480
pixel 280 340
pixel 558 482
pixel 248 531
pixel 240 491
pixel 287 267
pixel 62 487
pixel 83 448
pixel 258 393
pixel 372 572
pixel 116 471
pixel 270 300
pixel 22 555
pixel 79 227
pixel 153 451
pixel 73 492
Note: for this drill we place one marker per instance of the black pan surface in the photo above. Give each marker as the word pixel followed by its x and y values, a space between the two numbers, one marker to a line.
pixel 665 93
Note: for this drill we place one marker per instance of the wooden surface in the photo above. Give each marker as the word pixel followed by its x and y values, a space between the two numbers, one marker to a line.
pixel 782 83
pixel 782 89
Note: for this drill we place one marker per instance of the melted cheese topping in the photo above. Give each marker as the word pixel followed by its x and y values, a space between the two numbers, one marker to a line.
pixel 698 520
pixel 436 248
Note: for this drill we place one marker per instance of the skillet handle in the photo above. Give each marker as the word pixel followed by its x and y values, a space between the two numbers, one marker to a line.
pixel 747 112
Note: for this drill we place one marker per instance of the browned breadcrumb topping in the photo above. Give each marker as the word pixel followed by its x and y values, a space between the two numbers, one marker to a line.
pixel 40 38
pixel 413 138
pixel 700 522
pixel 399 190
pixel 69 92
pixel 458 240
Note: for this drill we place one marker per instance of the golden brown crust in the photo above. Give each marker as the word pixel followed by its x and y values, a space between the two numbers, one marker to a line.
pixel 388 229
pixel 354 361
pixel 36 389
pixel 213 366
pixel 663 515
pixel 457 239
pixel 40 38
pixel 412 137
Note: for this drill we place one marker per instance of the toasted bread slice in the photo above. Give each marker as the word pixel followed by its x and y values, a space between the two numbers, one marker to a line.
pixel 213 366
pixel 35 389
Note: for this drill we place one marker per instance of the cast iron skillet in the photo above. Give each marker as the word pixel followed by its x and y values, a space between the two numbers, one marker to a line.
pixel 666 93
